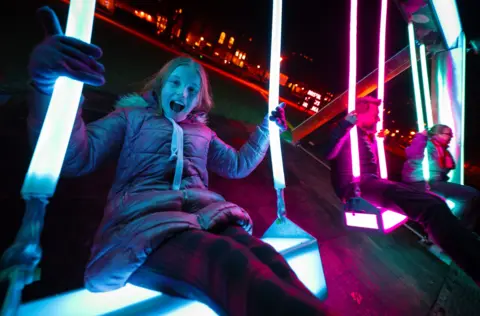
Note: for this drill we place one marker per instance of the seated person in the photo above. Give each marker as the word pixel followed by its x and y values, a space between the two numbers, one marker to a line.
pixel 163 229
pixel 441 162
pixel 427 209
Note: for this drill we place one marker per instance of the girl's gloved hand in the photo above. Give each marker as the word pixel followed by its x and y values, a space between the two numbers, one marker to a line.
pixel 277 116
pixel 60 55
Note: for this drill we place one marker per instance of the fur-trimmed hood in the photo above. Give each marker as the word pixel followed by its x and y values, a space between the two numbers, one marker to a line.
pixel 148 101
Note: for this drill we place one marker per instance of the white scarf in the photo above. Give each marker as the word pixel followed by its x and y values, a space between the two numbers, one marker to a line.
pixel 177 153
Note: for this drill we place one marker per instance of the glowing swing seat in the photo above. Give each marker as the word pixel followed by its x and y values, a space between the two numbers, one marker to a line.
pixel 298 247
pixel 358 212
pixel 444 100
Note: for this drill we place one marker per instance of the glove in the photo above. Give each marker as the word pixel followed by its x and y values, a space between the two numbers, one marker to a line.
pixel 277 116
pixel 60 55
pixel 352 117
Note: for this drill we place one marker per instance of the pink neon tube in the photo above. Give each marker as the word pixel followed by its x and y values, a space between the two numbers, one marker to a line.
pixel 352 83
pixel 381 88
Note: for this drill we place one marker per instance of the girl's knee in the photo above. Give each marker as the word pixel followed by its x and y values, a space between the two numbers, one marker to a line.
pixel 232 258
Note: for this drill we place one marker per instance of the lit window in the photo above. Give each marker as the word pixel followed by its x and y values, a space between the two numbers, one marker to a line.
pixel 230 42
pixel 222 38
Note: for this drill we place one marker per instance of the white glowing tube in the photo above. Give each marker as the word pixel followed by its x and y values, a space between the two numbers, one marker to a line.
pixel 418 98
pixel 428 107
pixel 462 124
pixel 381 88
pixel 449 19
pixel 273 96
pixel 44 170
pixel 426 86
pixel 416 81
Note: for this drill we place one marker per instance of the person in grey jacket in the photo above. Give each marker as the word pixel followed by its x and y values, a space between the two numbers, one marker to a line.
pixel 441 162
pixel 163 228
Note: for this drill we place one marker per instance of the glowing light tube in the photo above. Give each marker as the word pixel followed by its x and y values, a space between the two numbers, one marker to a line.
pixel 462 125
pixel 44 170
pixel 416 81
pixel 426 86
pixel 417 95
pixel 273 96
pixel 352 83
pixel 381 88
pixel 428 107
pixel 449 19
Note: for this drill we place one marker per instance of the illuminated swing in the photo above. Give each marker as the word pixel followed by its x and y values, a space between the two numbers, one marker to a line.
pixel 444 103
pixel 448 85
pixel 299 248
pixel 359 212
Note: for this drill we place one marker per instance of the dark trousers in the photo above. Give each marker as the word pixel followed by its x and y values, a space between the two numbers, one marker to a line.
pixel 434 215
pixel 466 199
pixel 231 271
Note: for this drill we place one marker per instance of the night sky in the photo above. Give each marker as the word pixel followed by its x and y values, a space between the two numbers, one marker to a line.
pixel 320 30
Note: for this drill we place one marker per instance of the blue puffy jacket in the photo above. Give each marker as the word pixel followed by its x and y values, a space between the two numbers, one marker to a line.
pixel 142 208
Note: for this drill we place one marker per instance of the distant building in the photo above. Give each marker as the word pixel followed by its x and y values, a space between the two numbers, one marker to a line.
pixel 218 39
pixel 314 101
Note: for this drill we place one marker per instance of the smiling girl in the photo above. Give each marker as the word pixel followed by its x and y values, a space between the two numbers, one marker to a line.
pixel 162 228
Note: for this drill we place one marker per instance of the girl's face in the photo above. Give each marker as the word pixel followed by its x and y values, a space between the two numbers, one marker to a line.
pixel 180 93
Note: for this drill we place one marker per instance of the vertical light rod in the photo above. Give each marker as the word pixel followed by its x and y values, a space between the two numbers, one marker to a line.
pixel 462 124
pixel 449 19
pixel 352 83
pixel 428 108
pixel 426 86
pixel 415 75
pixel 417 95
pixel 381 88
pixel 273 96
pixel 44 170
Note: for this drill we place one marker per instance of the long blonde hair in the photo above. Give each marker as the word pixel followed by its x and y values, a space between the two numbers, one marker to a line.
pixel 157 81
